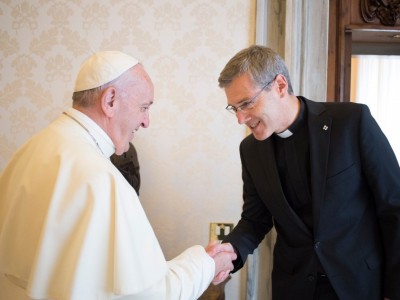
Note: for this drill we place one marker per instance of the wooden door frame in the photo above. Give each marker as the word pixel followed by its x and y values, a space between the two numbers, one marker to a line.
pixel 344 17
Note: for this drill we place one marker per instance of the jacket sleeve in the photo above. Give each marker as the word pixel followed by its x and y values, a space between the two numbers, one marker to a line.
pixel 382 172
pixel 256 220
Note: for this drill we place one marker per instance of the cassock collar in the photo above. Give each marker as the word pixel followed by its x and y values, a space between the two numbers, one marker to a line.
pixel 103 140
pixel 295 125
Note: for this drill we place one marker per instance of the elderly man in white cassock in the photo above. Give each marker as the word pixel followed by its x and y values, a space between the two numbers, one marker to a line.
pixel 71 226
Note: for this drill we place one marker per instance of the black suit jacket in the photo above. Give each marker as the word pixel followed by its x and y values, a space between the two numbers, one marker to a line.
pixel 355 184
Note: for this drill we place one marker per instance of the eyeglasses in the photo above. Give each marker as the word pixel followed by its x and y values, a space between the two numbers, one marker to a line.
pixel 249 104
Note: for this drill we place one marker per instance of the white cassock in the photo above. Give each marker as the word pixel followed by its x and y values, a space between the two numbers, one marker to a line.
pixel 71 226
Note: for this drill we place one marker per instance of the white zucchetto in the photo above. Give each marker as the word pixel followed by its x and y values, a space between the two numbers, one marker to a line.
pixel 101 68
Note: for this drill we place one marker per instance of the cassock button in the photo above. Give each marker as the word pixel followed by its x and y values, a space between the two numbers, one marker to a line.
pixel 317 244
pixel 311 277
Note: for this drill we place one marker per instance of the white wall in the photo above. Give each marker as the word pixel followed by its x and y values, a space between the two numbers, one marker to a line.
pixel 189 156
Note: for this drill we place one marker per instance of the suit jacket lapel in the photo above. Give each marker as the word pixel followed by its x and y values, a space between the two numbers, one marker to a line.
pixel 276 197
pixel 319 126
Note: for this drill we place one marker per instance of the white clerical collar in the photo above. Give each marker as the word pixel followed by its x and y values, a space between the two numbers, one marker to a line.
pixel 101 138
pixel 285 134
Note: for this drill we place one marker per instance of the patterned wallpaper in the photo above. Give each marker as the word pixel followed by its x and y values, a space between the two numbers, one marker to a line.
pixel 189 156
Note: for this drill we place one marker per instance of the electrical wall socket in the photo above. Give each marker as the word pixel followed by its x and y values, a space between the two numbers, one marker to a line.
pixel 218 231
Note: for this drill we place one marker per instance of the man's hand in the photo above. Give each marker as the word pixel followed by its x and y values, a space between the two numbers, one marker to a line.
pixel 223 255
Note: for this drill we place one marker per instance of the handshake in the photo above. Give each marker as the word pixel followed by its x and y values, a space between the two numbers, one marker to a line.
pixel 223 255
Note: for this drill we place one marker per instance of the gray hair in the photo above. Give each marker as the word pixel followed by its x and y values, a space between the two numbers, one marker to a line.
pixel 88 98
pixel 261 63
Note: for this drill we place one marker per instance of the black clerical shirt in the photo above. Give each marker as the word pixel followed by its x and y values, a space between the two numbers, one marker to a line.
pixel 293 161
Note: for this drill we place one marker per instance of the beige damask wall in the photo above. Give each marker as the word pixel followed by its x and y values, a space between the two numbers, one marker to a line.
pixel 189 156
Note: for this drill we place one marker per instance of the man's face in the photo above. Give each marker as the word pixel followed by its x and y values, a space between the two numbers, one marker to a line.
pixel 134 101
pixel 262 116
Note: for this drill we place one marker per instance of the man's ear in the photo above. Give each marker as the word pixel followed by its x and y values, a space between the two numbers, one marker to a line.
pixel 108 101
pixel 282 84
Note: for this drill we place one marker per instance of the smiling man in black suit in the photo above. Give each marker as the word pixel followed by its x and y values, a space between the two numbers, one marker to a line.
pixel 324 175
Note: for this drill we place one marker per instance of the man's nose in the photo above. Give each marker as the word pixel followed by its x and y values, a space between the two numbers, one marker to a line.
pixel 146 121
pixel 241 117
